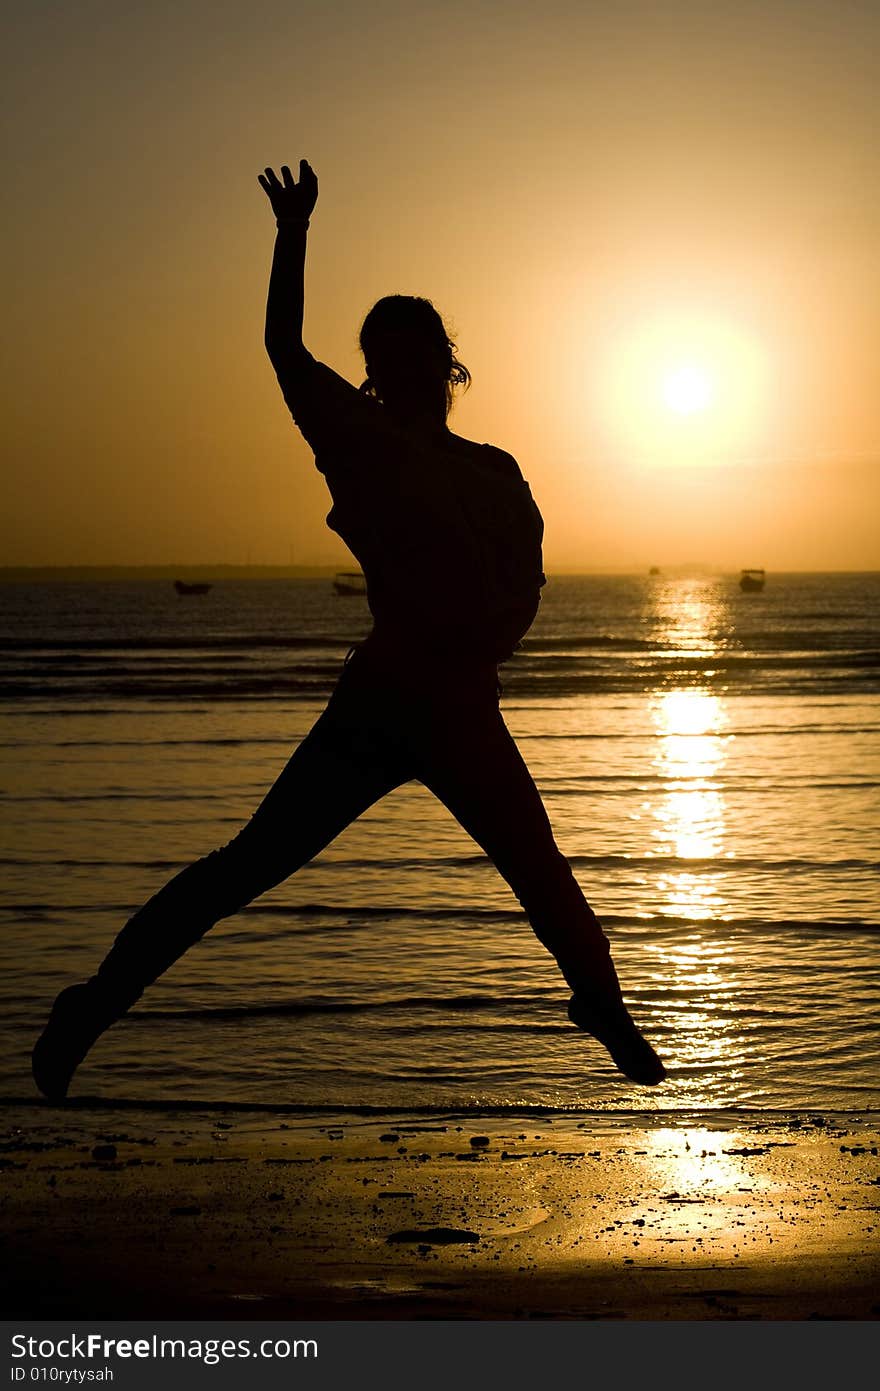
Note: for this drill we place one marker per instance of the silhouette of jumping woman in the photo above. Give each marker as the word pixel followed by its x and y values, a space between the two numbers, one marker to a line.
pixel 419 698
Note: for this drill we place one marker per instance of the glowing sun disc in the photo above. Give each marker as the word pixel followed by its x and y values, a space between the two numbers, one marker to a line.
pixel 687 390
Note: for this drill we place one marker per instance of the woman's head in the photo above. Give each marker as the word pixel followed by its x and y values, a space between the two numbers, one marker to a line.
pixel 409 356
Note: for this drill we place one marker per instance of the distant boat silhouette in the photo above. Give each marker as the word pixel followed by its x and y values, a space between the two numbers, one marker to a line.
pixel 183 588
pixel 350 582
pixel 654 570
pixel 752 581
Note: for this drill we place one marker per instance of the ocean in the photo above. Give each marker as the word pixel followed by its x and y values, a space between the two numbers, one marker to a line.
pixel 709 759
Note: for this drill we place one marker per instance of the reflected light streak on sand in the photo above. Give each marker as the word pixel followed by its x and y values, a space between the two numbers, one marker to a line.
pixel 693 1161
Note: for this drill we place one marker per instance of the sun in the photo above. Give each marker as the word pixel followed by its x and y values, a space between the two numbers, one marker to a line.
pixel 677 389
pixel 688 389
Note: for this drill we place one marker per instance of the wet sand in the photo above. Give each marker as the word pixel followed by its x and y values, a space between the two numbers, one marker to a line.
pixel 237 1216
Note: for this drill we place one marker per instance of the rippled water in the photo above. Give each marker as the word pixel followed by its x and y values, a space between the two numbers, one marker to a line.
pixel 710 761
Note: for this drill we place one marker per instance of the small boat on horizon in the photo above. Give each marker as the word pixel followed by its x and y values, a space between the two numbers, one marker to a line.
pixel 752 581
pixel 350 582
pixel 183 588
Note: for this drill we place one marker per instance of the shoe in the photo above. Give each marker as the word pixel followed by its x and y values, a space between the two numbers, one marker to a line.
pixel 609 1021
pixel 77 1020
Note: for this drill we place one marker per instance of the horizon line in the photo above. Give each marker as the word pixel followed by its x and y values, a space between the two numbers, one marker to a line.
pixel 10 573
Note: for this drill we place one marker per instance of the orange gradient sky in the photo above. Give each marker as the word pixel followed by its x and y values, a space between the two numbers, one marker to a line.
pixel 654 230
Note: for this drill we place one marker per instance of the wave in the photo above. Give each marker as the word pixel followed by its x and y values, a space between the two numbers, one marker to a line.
pixel 221 642
pixel 806 641
pixel 39 797
pixel 482 1007
pixel 858 675
pixel 471 1004
pixel 225 742
pixel 781 731
pixel 617 1118
pixel 616 782
pixel 363 918
pixel 67 660
pixel 437 863
pixel 270 687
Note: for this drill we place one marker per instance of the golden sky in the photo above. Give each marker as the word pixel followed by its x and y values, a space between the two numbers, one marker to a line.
pixel 653 228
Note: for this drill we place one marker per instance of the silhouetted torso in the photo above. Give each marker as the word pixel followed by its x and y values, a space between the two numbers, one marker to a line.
pixel 445 530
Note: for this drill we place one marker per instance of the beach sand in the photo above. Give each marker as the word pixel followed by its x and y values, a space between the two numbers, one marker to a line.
pixel 231 1215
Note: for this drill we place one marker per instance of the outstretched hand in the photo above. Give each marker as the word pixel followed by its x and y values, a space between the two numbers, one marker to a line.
pixel 291 200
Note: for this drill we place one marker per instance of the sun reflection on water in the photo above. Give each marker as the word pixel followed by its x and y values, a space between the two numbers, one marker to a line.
pixel 690 616
pixel 687 820
pixel 691 623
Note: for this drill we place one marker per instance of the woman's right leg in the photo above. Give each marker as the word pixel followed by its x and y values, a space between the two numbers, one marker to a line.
pixel 340 769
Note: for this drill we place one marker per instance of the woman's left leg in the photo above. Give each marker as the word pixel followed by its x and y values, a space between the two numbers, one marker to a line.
pixel 476 770
pixel 469 760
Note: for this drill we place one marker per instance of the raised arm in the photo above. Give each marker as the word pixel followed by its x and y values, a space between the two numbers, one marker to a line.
pixel 328 411
pixel 292 204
